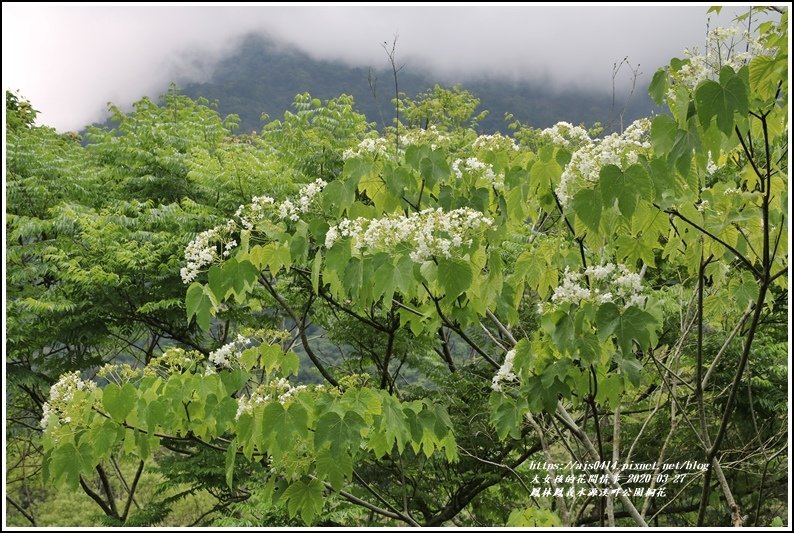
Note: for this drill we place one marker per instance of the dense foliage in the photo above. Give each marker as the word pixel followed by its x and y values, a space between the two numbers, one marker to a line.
pixel 327 324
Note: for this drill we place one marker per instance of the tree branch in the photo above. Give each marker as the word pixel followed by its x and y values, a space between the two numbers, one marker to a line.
pixel 19 508
pixel 132 491
pixel 97 498
pixel 301 331
pixel 703 230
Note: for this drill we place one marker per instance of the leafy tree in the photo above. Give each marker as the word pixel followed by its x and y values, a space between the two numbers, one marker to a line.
pixel 96 235
pixel 446 109
pixel 472 309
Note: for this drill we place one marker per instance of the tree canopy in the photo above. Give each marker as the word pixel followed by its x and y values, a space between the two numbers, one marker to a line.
pixel 327 324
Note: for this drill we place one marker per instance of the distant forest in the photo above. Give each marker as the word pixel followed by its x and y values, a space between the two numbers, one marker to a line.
pixel 263 77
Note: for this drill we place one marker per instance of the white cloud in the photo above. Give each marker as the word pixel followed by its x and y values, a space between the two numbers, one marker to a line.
pixel 71 61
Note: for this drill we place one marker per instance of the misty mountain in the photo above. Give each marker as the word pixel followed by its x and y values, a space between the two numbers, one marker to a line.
pixel 262 76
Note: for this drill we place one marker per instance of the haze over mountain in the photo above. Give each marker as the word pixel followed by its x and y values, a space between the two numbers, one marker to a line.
pixel 71 60
pixel 263 76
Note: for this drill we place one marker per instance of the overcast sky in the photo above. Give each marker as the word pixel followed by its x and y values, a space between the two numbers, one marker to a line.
pixel 71 61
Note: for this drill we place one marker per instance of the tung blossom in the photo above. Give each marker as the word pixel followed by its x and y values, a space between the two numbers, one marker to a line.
pixel 621 150
pixel 229 353
pixel 608 283
pixel 62 393
pixel 429 232
pixel 477 168
pixel 214 244
pixel 505 373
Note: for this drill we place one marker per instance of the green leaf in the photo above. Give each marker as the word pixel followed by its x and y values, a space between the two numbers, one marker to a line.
pixel 404 274
pixel 119 401
pixel 64 466
pixel 609 391
pixel 631 249
pixel 363 401
pixel 686 142
pixel 356 168
pixel 415 153
pixel 306 498
pixel 145 444
pixel 744 289
pixel 560 326
pixel 506 416
pixel 271 356
pixel 383 282
pixel 658 86
pixel 198 302
pixel 104 438
pixel 249 358
pixel 354 276
pixel 334 467
pixel 638 325
pixel 633 324
pixel 337 432
pixel 336 197
pixel 231 456
pixel 625 187
pixel 155 415
pixel 393 424
pixel 290 363
pixel 337 257
pixel 544 173
pixel 240 275
pixel 281 426
pixel 272 255
pixel 454 277
pixel 663 134
pixel 434 168
pixel 316 265
pixel 721 100
pixel 397 179
pixel 587 206
pixel 516 203
pixel 631 368
pixel 232 277
pixel 429 439
pixel 765 72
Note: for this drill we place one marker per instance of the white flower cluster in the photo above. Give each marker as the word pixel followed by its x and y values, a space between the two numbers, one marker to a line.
pixel 566 135
pixel 204 249
pixel 495 142
pixel 254 212
pixel 246 404
pixel 290 392
pixel 279 389
pixel 724 47
pixel 711 166
pixel 229 353
pixel 429 232
pixel 61 394
pixel 477 168
pixel 430 136
pixel 378 146
pixel 608 283
pixel 505 373
pixel 622 150
pixel 293 210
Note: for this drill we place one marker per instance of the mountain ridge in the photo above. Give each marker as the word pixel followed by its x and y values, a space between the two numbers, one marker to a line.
pixel 263 76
